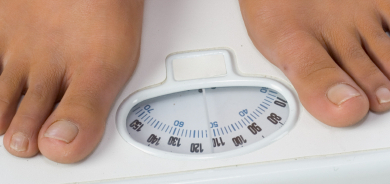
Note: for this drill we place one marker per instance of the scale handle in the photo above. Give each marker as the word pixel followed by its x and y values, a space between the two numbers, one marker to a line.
pixel 230 64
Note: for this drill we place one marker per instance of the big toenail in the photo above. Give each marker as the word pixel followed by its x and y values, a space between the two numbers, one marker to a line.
pixel 383 95
pixel 340 93
pixel 62 130
pixel 19 142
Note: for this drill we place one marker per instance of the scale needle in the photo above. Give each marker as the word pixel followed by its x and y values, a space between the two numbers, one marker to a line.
pixel 208 119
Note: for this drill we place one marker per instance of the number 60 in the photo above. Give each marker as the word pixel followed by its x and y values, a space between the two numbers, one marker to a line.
pixel 178 123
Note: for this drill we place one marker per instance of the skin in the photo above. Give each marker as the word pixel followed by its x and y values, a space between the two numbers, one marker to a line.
pixel 77 53
pixel 321 43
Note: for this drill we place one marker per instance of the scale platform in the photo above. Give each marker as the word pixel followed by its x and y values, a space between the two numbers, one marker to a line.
pixel 305 151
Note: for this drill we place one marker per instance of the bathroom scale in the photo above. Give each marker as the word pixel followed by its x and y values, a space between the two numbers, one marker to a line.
pixel 207 118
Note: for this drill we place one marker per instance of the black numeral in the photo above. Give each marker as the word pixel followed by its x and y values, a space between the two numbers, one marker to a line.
pixel 274 118
pixel 136 125
pixel 254 128
pixel 153 139
pixel 174 141
pixel 239 140
pixel 281 103
pixel 217 142
pixel 196 148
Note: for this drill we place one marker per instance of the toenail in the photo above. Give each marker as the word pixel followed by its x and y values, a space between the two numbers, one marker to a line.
pixel 62 130
pixel 19 142
pixel 340 93
pixel 383 95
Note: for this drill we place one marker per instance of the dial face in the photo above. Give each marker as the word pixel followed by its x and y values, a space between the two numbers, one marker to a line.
pixel 207 121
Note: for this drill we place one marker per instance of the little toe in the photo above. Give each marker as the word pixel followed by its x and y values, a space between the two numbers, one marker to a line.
pixel 76 126
pixel 21 136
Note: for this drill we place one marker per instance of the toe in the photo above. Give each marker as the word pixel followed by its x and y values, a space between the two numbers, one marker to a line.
pixel 325 90
pixel 12 81
pixel 76 126
pixel 376 44
pixel 21 136
pixel 352 58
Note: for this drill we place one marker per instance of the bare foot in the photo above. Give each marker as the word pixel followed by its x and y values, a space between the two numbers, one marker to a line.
pixel 335 53
pixel 80 53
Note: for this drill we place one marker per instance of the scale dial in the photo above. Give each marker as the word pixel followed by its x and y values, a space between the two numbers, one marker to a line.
pixel 207 118
pixel 205 121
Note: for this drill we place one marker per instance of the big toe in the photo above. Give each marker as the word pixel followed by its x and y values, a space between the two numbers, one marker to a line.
pixel 76 126
pixel 324 89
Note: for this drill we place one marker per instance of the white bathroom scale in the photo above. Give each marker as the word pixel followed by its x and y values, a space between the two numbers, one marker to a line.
pixel 221 116
pixel 204 106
